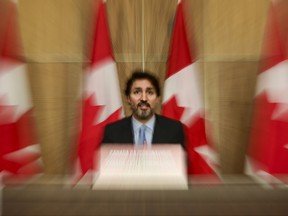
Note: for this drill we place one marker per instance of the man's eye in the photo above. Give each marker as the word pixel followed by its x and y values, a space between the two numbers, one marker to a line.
pixel 150 92
pixel 136 92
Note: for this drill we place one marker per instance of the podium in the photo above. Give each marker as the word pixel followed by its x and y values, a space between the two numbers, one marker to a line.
pixel 160 167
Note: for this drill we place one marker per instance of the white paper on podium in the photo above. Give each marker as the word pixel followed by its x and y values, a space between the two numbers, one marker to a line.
pixel 161 166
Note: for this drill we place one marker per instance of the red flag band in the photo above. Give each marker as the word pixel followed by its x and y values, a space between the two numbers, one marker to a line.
pixel 268 150
pixel 183 99
pixel 19 151
pixel 102 100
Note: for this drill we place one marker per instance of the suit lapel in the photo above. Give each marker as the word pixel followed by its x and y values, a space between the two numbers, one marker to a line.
pixel 158 132
pixel 129 131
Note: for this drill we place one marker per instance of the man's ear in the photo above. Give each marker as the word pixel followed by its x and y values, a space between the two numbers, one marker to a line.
pixel 158 100
pixel 128 100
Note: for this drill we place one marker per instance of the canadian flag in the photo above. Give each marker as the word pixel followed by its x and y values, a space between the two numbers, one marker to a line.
pixel 102 99
pixel 19 152
pixel 268 150
pixel 183 99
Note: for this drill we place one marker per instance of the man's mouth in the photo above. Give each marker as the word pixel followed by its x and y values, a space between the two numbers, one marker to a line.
pixel 143 106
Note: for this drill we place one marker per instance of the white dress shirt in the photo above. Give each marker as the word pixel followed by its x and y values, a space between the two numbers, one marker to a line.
pixel 148 132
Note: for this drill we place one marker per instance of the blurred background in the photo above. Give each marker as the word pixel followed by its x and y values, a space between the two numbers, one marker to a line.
pixel 226 34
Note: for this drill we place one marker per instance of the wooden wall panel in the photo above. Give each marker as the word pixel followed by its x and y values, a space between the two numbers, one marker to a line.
pixel 212 100
pixel 227 35
pixel 125 27
pixel 55 104
pixel 232 41
pixel 233 29
pixel 55 35
pixel 52 30
pixel 230 100
pixel 158 26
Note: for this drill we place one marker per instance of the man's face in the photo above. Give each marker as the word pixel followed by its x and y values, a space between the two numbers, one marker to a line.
pixel 143 99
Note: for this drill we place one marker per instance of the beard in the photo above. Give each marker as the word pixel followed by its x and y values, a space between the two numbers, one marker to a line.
pixel 142 114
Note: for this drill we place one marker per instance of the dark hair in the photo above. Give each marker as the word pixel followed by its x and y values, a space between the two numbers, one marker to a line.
pixel 142 75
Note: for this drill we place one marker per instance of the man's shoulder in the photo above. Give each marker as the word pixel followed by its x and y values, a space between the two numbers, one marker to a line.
pixel 120 123
pixel 166 120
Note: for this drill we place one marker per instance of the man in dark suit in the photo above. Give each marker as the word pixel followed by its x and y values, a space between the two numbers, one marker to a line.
pixel 144 126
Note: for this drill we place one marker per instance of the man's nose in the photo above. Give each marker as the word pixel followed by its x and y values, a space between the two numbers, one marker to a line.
pixel 144 96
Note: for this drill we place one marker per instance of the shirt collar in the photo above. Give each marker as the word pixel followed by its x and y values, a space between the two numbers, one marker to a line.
pixel 150 124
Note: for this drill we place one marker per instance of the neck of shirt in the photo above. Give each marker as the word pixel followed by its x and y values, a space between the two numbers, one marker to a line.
pixel 149 130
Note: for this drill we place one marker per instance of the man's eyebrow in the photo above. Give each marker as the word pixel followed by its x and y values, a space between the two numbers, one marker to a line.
pixel 140 88
pixel 137 88
pixel 150 88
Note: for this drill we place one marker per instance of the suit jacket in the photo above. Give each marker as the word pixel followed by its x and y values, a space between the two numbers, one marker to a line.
pixel 166 131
